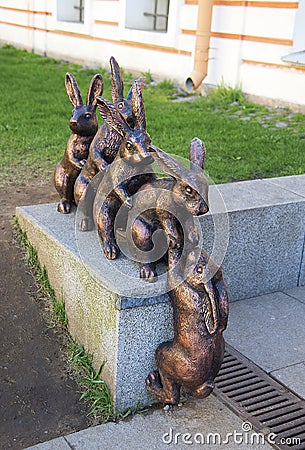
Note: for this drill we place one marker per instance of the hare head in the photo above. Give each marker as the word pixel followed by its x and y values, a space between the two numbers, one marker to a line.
pixel 191 186
pixel 117 93
pixel 135 140
pixel 84 121
pixel 198 269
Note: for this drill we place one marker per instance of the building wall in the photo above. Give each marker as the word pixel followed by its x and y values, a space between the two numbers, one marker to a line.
pixel 33 24
pixel 248 40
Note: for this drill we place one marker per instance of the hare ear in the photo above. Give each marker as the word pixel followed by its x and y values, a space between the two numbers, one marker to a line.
pixel 141 83
pixel 168 164
pixel 73 90
pixel 137 103
pixel 197 153
pixel 96 88
pixel 112 116
pixel 117 91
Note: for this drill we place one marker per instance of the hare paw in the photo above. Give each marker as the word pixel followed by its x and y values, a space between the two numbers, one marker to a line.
pixel 111 250
pixel 155 388
pixel 85 224
pixel 153 381
pixel 174 242
pixel 148 272
pixel 128 202
pixel 203 390
pixel 193 237
pixel 64 206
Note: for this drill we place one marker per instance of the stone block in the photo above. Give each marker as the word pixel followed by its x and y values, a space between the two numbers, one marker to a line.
pixel 292 377
pixel 267 331
pixel 265 238
pixel 121 331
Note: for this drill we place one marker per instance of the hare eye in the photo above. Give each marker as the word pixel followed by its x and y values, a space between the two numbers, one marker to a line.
pixel 129 145
pixel 121 105
pixel 189 190
pixel 87 115
pixel 199 269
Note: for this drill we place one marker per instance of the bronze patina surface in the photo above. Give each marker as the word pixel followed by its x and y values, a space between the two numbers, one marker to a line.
pixel 170 204
pixel 200 312
pixel 83 125
pixel 107 141
pixel 128 172
pixel 118 188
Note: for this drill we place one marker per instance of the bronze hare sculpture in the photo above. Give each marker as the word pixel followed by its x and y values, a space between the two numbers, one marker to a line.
pixel 83 125
pixel 106 142
pixel 183 195
pixel 200 308
pixel 128 172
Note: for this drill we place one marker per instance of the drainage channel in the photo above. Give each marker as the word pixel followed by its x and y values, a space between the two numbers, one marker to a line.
pixel 257 398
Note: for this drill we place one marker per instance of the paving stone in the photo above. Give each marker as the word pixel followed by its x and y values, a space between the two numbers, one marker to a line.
pixel 293 377
pixel 281 124
pixel 269 330
pixel 163 430
pixel 54 444
pixel 298 292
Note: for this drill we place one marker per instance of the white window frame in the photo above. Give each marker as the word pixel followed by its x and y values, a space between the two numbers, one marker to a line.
pixel 144 19
pixel 74 27
pixel 164 38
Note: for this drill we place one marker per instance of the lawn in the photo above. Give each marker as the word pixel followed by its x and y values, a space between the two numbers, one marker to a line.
pixel 243 140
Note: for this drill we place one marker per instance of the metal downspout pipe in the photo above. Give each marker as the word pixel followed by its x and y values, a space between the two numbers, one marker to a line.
pixel 203 33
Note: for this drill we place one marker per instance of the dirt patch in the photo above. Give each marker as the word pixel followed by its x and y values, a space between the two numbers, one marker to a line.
pixel 39 400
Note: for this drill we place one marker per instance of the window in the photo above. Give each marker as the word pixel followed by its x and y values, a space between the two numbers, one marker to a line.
pixel 151 15
pixel 70 10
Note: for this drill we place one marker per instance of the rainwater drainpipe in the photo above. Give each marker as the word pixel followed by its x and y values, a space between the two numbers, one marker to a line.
pixel 203 33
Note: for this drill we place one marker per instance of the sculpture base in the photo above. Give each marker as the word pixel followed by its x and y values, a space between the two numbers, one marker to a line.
pixel 121 331
pixel 265 254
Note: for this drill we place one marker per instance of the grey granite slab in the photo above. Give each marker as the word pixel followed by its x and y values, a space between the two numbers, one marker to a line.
pixel 301 281
pixel 120 276
pixel 298 293
pixel 55 444
pixel 163 430
pixel 264 251
pixel 293 377
pixel 244 195
pixel 269 330
pixel 294 183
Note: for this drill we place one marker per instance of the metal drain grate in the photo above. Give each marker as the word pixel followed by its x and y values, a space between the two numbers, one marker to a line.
pixel 259 399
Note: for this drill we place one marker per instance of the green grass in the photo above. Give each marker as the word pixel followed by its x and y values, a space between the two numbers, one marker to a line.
pixel 94 390
pixel 243 140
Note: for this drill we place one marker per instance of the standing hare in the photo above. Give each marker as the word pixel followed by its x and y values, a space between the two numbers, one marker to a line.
pixel 128 172
pixel 83 125
pixel 200 311
pixel 106 142
pixel 170 204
